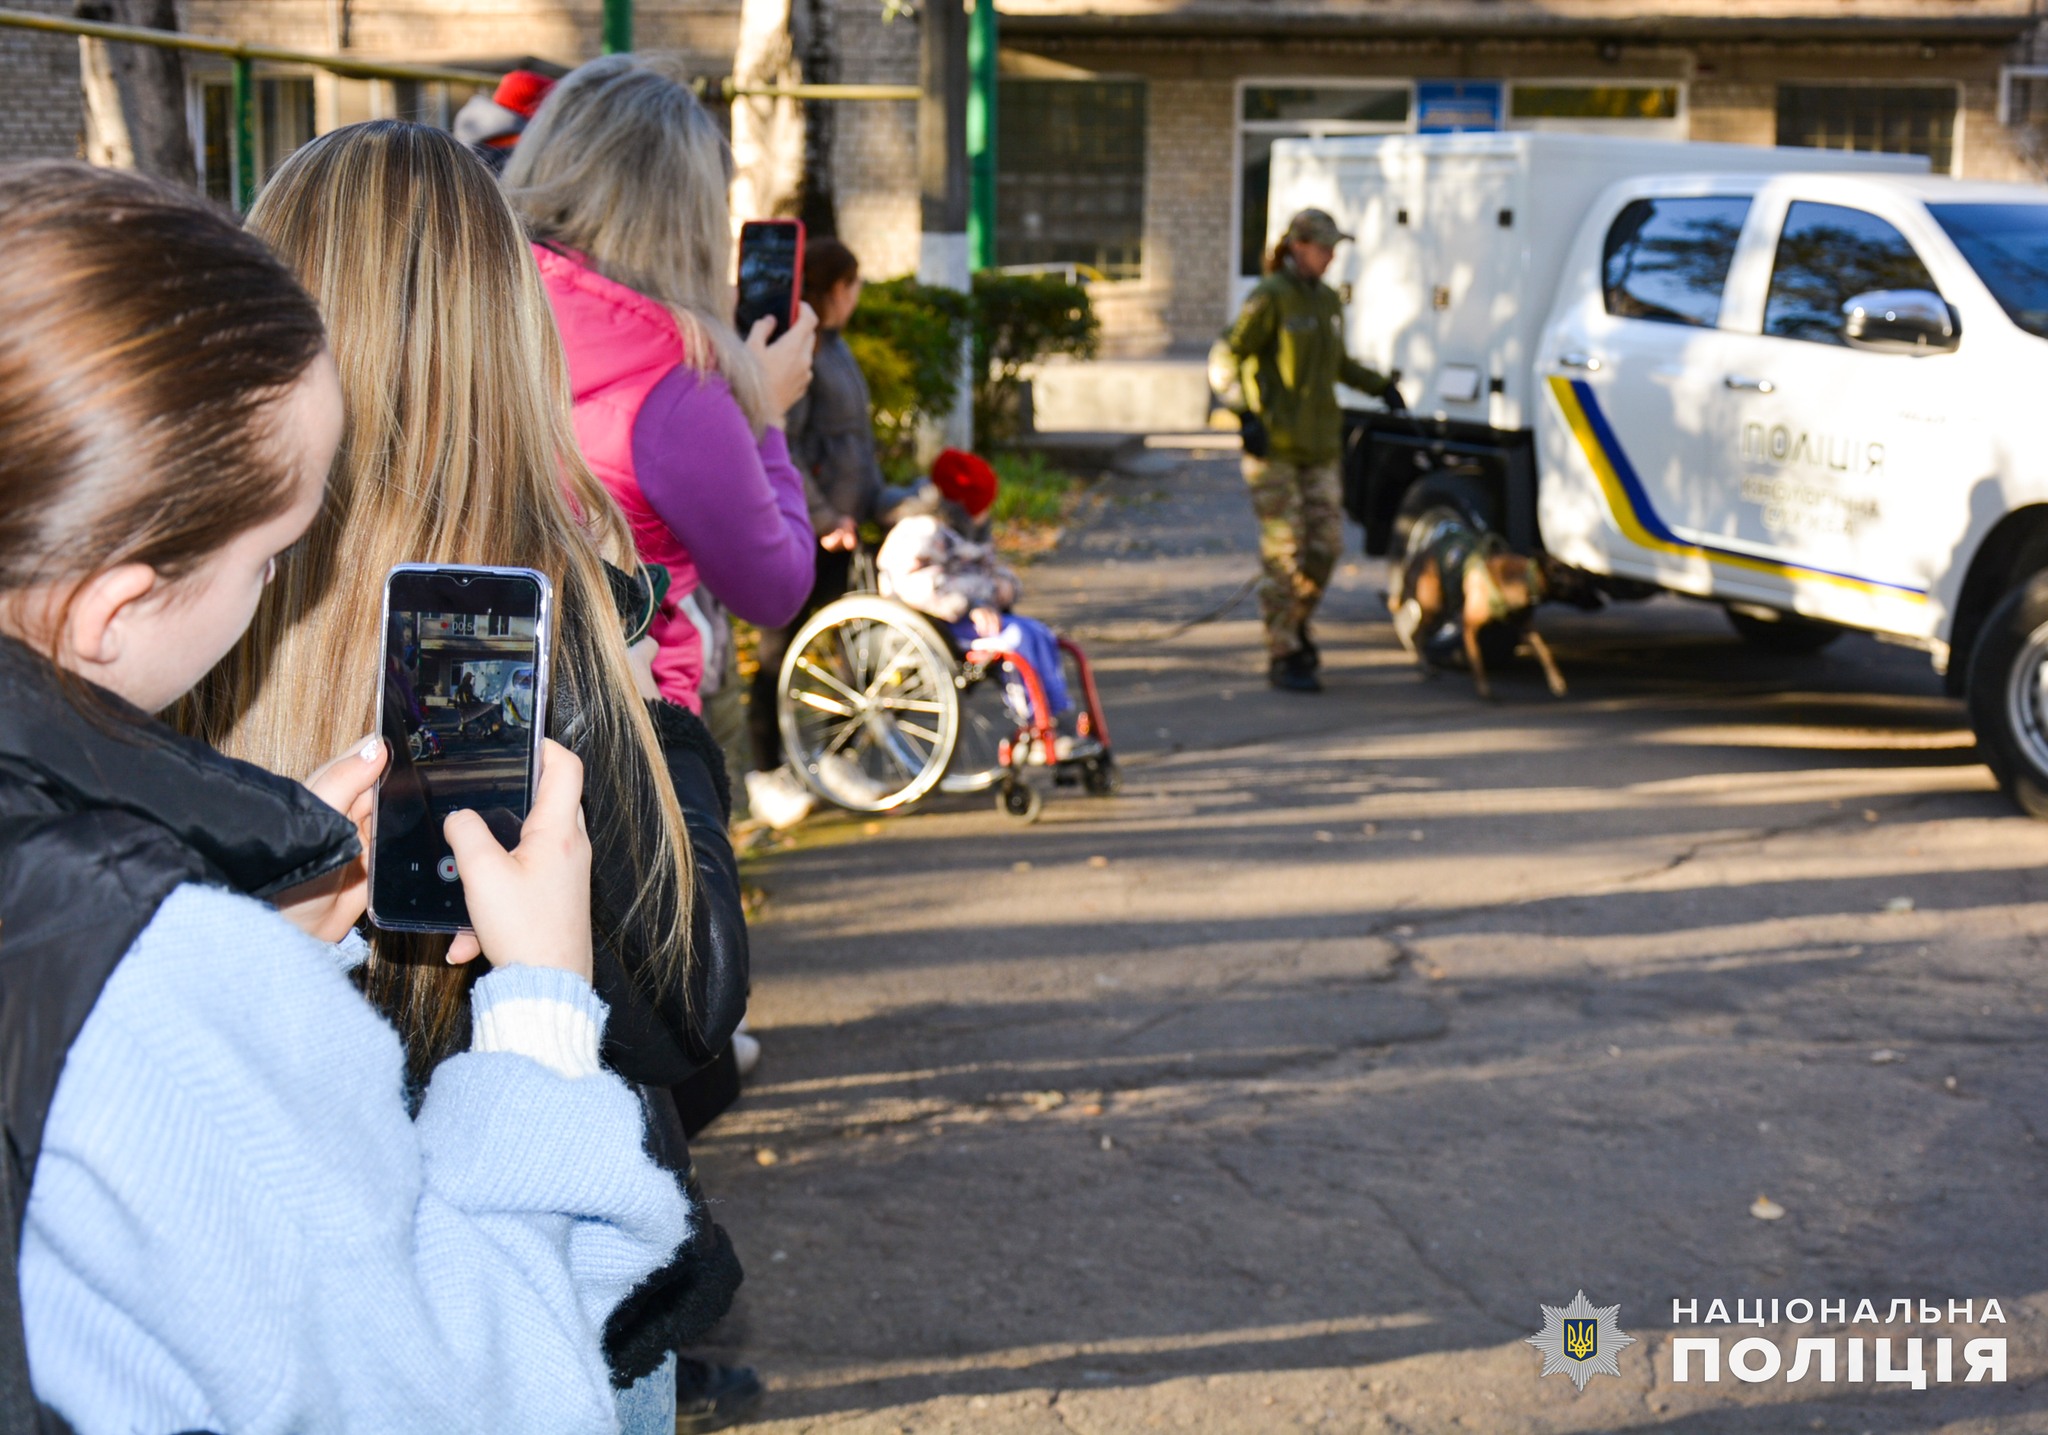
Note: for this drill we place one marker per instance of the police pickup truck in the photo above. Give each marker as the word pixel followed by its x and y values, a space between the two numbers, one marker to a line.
pixel 1809 386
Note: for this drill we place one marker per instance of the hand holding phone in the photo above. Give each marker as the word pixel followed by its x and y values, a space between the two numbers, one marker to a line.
pixel 786 363
pixel 464 702
pixel 530 906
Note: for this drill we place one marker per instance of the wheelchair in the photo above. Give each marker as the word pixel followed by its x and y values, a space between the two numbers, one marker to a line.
pixel 880 706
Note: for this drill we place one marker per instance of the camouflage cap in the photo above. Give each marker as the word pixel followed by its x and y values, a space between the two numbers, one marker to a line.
pixel 1313 226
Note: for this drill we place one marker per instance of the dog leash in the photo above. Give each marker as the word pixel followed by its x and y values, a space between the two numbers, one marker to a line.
pixel 1221 610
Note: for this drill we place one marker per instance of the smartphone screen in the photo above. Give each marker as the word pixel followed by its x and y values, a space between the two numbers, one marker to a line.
pixel 464 703
pixel 771 265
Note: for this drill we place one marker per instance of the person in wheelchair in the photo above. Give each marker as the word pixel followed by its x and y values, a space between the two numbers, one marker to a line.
pixel 944 566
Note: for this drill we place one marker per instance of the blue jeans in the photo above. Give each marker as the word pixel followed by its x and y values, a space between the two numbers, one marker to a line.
pixel 648 1405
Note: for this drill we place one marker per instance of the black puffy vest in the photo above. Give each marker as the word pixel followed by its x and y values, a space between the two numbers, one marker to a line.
pixel 100 819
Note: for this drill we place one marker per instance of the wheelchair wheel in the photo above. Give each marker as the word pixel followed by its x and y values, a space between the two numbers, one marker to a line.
pixel 985 725
pixel 867 704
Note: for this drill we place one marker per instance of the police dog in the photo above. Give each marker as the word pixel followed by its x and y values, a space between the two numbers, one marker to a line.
pixel 1462 590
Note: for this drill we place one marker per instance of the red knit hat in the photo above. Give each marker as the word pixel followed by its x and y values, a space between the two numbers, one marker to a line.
pixel 521 91
pixel 967 479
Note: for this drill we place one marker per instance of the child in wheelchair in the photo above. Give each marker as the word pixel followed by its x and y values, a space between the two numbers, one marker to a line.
pixel 943 565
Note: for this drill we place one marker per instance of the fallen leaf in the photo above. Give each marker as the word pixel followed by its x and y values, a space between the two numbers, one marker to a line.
pixel 871 828
pixel 1093 1108
pixel 1098 860
pixel 1899 904
pixel 1885 1056
pixel 1765 1209
pixel 1326 837
pixel 765 1157
pixel 1870 814
pixel 1020 866
pixel 1107 1144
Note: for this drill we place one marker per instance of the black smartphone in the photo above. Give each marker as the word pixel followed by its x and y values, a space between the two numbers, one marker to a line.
pixel 464 701
pixel 771 273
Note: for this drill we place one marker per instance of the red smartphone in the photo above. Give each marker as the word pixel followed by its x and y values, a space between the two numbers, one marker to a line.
pixel 771 273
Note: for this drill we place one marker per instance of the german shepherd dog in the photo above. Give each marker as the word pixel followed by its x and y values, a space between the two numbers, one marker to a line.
pixel 1461 590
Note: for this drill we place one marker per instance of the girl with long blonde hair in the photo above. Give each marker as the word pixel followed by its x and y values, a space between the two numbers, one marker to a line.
pixel 621 179
pixel 227 1217
pixel 459 449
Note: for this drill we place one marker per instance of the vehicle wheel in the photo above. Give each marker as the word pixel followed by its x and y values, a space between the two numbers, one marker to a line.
pixel 1787 633
pixel 1101 778
pixel 985 725
pixel 867 705
pixel 1436 497
pixel 1019 799
pixel 2007 691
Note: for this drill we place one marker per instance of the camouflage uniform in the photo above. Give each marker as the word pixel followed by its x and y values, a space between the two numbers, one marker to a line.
pixel 1289 345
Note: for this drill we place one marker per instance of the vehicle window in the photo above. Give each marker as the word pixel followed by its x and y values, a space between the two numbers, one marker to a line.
pixel 1666 259
pixel 1827 255
pixel 2007 244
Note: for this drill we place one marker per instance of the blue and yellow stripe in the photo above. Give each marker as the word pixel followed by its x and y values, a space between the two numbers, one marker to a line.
pixel 1638 519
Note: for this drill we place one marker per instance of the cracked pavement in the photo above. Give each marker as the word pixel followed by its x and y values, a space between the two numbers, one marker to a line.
pixel 1276 1092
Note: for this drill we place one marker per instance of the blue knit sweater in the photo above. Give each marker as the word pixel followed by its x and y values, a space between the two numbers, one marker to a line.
pixel 236 1227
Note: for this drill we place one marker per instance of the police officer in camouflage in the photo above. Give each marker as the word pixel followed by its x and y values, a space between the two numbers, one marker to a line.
pixel 1288 344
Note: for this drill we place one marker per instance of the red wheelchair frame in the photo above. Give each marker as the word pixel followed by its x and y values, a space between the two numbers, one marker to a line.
pixel 1035 742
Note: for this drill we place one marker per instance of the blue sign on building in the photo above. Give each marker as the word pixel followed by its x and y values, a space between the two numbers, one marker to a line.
pixel 1448 107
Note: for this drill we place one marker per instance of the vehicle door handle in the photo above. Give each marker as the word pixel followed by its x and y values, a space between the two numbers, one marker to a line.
pixel 1761 386
pixel 1577 360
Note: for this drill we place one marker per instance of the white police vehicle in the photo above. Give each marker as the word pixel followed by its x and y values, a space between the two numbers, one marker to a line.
pixel 1809 386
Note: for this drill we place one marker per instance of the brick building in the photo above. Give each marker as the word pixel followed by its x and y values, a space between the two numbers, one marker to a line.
pixel 1134 133
pixel 1165 186
pixel 40 115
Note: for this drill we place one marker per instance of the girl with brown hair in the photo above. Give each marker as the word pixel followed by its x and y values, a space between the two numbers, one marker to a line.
pixel 232 1220
pixel 459 449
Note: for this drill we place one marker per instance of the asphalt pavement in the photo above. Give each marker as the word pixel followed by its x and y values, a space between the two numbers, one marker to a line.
pixel 1281 1091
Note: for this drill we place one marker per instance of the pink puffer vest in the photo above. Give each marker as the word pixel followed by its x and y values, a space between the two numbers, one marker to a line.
pixel 620 344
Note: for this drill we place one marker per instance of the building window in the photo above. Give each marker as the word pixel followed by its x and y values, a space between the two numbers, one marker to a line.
pixel 1666 260
pixel 1276 112
pixel 429 102
pixel 1917 119
pixel 282 117
pixel 1070 178
pixel 1535 104
pixel 1827 255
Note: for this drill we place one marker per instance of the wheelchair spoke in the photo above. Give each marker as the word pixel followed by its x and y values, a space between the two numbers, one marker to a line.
pixel 855 666
pixel 850 728
pixel 823 702
pixel 903 646
pixel 806 665
pixel 914 705
pixel 924 732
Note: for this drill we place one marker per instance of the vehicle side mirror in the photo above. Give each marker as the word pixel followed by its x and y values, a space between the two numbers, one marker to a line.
pixel 1901 321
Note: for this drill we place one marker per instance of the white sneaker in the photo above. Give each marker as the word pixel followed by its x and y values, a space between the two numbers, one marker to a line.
pixel 777 798
pixel 843 778
pixel 746 1050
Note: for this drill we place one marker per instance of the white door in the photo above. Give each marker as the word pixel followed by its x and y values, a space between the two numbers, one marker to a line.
pixel 1836 455
pixel 1630 469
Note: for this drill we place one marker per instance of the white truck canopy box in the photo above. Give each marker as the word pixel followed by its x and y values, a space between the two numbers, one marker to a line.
pixel 1461 240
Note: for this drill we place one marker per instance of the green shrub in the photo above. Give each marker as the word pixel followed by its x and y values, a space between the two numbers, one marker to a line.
pixel 1018 320
pixel 905 336
pixel 1029 489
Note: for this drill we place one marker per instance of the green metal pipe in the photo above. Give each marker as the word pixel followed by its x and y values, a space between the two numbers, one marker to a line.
pixel 618 26
pixel 244 185
pixel 981 135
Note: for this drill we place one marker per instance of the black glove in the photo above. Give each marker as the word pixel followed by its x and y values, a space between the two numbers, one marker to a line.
pixel 1256 441
pixel 1391 397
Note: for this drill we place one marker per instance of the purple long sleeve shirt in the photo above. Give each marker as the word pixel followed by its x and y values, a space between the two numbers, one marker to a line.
pixel 736 503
